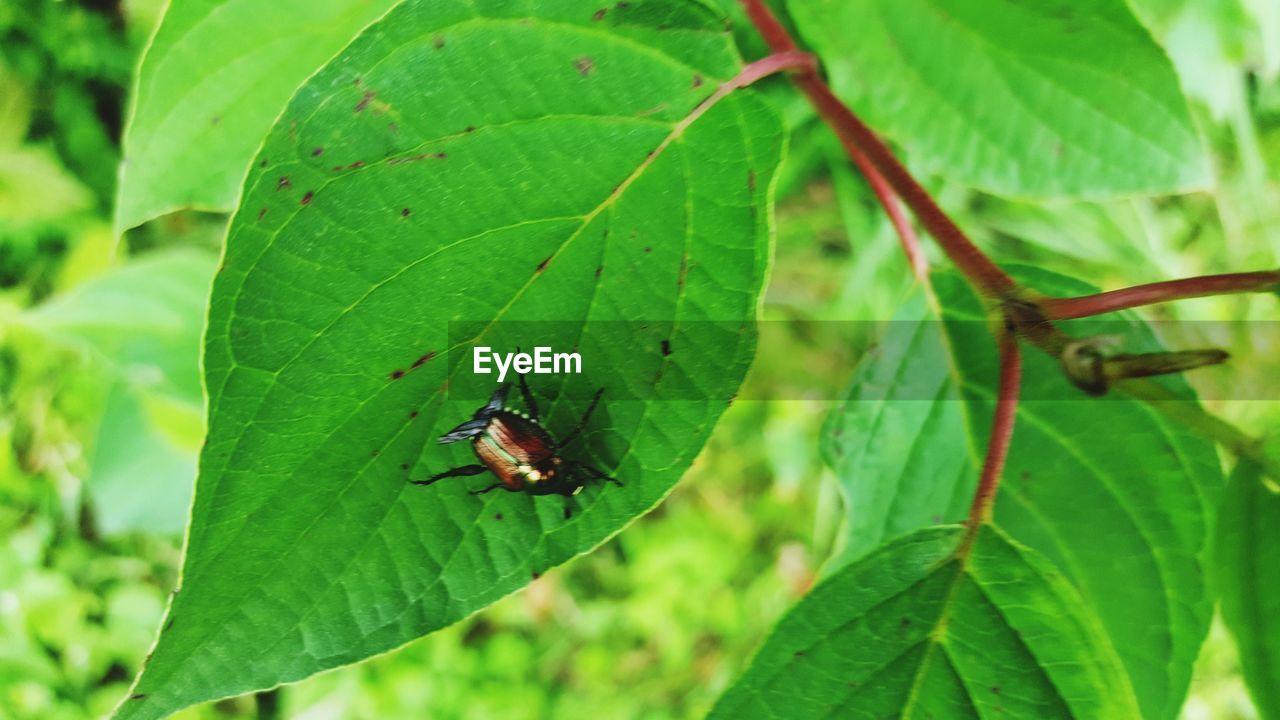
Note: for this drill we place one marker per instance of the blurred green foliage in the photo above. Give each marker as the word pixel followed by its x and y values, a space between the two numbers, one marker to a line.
pixel 100 411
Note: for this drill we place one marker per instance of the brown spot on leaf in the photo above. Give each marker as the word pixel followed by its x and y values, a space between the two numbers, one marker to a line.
pixel 666 348
pixel 283 183
pixel 404 466
pixel 416 158
pixel 317 152
pixel 396 374
pixel 437 42
pixel 497 516
pixel 584 65
pixel 393 127
pixel 404 212
pixel 568 512
pixel 697 80
pixel 365 99
pixel 543 265
pixel 306 199
pixel 648 250
pixel 599 270
pixel 261 213
pixel 413 414
pixel 684 270
pixel 751 180
pixel 137 696
pixel 262 163
pixel 424 359
pixel 356 165
pixel 169 624
pixel 375 453
pixel 215 119
pixel 599 14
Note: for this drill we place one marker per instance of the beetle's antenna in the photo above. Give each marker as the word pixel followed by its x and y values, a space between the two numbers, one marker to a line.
pixel 529 402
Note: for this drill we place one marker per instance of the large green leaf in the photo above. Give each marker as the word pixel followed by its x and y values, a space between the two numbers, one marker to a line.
pixel 1018 97
pixel 1248 573
pixel 927 628
pixel 461 161
pixel 215 75
pixel 1115 494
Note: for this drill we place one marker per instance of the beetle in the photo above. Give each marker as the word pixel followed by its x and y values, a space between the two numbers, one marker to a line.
pixel 519 451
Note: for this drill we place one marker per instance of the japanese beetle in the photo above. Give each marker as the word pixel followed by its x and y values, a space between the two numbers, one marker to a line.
pixel 519 451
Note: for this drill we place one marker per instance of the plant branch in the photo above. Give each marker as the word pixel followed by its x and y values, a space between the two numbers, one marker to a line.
pixel 1025 314
pixel 875 159
pixel 1001 428
pixel 1139 295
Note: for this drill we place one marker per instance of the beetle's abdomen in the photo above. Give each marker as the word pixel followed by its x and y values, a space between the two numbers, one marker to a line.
pixel 509 442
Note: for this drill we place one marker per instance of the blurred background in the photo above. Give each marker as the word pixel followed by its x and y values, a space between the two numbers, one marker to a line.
pixel 101 412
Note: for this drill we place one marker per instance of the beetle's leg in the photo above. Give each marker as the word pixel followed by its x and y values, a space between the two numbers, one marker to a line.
pixel 491 488
pixel 496 401
pixel 573 434
pixel 596 473
pixel 529 402
pixel 465 431
pixel 456 472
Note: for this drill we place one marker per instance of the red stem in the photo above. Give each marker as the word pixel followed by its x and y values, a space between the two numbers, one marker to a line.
pixel 1001 429
pixel 777 62
pixel 901 223
pixel 1114 300
pixel 874 158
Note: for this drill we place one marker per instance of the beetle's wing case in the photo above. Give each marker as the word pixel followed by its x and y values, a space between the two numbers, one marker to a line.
pixel 521 437
pixel 510 441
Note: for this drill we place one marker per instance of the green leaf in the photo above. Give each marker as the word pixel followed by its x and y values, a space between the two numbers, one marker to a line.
pixel 928 628
pixel 216 74
pixel 1017 97
pixel 461 161
pixel 143 462
pixel 897 440
pixel 906 453
pixel 144 318
pixel 35 188
pixel 1248 559
pixel 141 322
